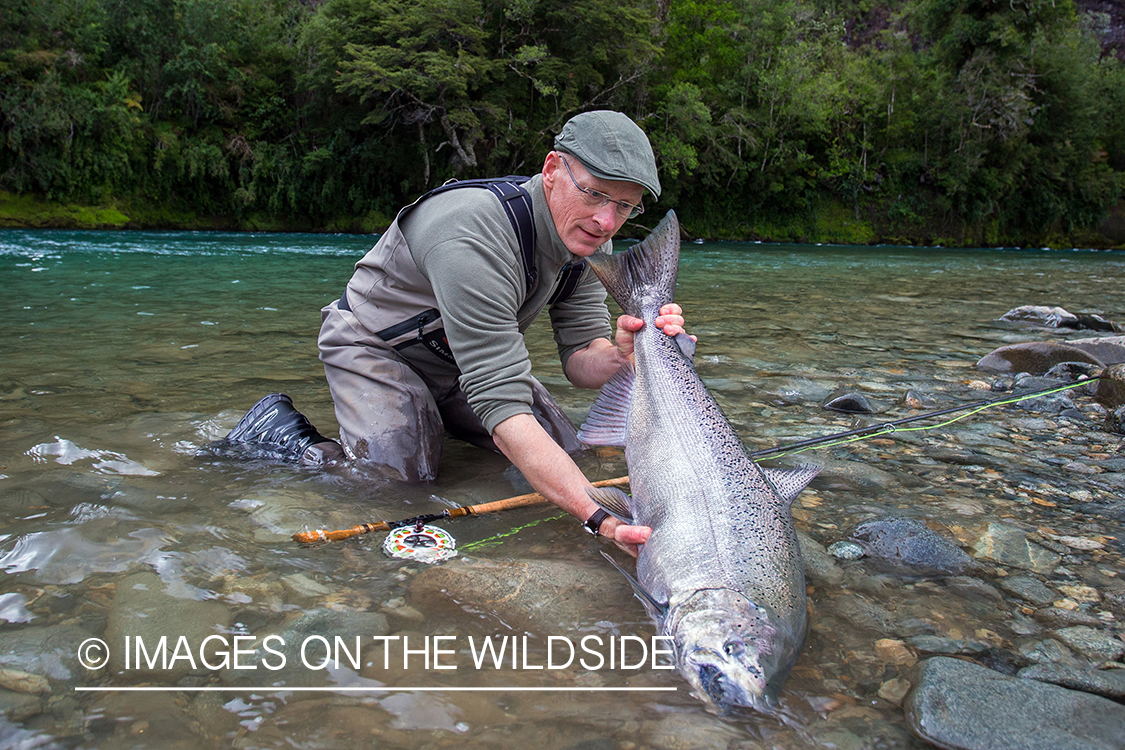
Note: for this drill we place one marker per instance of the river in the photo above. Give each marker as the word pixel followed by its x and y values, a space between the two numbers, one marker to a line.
pixel 125 354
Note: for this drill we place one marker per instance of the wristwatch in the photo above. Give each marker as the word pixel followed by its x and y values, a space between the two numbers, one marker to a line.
pixel 594 522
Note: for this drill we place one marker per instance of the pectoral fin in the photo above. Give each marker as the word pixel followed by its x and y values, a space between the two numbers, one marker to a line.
pixel 658 610
pixel 613 501
pixel 605 424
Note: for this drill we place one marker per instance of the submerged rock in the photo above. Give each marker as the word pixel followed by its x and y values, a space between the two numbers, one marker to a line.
pixel 964 706
pixel 143 611
pixel 540 594
pixel 851 402
pixel 1008 545
pixel 819 565
pixel 1095 644
pixel 1028 588
pixel 846 550
pixel 909 547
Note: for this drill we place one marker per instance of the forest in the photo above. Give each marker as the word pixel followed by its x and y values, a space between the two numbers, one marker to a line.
pixel 957 122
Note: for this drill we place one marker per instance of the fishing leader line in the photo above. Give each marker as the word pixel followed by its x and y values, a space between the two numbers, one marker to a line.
pixel 887 428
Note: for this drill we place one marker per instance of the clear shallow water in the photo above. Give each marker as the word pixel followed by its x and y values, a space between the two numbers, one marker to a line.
pixel 125 353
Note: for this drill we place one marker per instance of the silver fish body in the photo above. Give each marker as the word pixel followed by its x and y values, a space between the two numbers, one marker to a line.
pixel 722 572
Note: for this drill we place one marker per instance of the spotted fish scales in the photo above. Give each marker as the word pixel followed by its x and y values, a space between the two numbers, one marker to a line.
pixel 722 573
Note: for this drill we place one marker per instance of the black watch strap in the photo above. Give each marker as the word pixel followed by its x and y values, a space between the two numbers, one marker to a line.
pixel 594 522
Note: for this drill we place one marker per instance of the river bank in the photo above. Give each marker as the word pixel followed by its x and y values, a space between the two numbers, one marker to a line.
pixel 829 223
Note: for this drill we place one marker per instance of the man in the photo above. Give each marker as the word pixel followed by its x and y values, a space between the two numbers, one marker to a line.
pixel 428 335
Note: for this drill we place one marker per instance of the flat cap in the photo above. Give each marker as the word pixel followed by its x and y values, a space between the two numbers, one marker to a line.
pixel 611 147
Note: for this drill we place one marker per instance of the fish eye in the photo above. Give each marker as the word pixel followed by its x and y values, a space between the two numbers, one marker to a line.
pixel 734 647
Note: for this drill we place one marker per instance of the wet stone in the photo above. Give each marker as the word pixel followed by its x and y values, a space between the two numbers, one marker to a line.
pixel 846 550
pixel 961 705
pixel 1049 651
pixel 909 547
pixel 1108 683
pixel 1058 617
pixel 851 402
pixel 820 567
pixel 1111 387
pixel 143 611
pixel 50 652
pixel 1008 545
pixel 837 474
pixel 19 706
pixel 1036 357
pixel 1028 588
pixel 1096 644
pixel 541 594
pixel 932 644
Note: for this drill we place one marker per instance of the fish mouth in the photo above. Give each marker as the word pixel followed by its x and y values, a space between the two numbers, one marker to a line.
pixel 725 692
pixel 711 678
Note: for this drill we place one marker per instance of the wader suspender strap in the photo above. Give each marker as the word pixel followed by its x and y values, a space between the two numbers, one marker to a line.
pixel 517 207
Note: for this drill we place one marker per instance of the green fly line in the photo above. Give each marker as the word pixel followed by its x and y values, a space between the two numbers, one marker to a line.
pixel 830 441
pixel 497 539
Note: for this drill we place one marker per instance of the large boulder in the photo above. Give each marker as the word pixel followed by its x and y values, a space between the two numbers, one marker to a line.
pixel 964 706
pixel 1037 357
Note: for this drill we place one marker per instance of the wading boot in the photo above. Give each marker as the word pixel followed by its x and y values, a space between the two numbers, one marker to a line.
pixel 274 429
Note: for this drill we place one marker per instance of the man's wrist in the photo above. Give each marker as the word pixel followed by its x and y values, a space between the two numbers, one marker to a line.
pixel 594 522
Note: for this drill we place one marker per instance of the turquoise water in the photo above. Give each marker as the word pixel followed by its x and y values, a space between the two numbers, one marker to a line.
pixel 124 354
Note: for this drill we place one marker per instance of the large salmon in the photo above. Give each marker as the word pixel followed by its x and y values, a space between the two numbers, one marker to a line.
pixel 722 572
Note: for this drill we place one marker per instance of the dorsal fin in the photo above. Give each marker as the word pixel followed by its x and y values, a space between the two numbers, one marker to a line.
pixel 788 483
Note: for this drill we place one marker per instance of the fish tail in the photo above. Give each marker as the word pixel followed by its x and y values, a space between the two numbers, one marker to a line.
pixel 644 273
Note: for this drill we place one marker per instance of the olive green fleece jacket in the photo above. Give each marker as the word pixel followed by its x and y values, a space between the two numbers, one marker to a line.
pixel 464 245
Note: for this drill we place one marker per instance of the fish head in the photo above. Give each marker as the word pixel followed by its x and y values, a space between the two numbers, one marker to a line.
pixel 732 651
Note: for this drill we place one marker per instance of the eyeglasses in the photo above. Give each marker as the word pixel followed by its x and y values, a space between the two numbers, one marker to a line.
pixel 597 198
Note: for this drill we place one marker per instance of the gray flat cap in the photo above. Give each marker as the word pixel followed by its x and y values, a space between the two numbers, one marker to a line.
pixel 611 147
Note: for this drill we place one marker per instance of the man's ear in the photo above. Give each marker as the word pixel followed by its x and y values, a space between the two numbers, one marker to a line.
pixel 551 167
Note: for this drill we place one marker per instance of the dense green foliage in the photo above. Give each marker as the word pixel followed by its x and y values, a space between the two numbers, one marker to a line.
pixel 952 120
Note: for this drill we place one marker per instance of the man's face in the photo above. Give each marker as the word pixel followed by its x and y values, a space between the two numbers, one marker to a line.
pixel 584 227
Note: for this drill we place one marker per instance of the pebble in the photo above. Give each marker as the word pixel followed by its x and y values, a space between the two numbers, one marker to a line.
pixel 894 652
pixel 894 691
pixel 845 550
pixel 932 644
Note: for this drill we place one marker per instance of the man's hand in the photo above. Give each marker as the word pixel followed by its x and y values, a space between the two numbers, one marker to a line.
pixel 628 538
pixel 671 321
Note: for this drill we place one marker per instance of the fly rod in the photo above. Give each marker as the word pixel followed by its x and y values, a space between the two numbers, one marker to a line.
pixel 533 498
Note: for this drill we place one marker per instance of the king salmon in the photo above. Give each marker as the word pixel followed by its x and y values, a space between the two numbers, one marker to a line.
pixel 722 573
